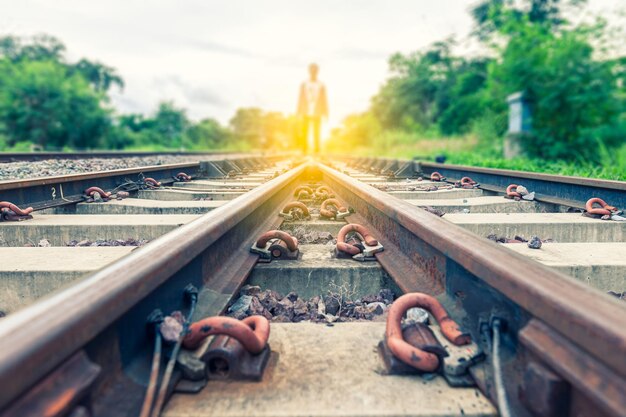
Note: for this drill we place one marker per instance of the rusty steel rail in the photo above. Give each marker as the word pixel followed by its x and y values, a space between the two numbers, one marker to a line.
pixel 549 188
pixel 42 193
pixel 36 340
pixel 480 279
pixel 48 192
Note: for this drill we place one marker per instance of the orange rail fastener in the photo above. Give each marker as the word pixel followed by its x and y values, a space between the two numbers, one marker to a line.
pixel 151 182
pixel 468 181
pixel 339 214
pixel 417 358
pixel 15 209
pixel 322 191
pixel 347 247
pixel 303 192
pixel 606 209
pixel 181 176
pixel 286 211
pixel 511 191
pixel 292 242
pixel 91 190
pixel 252 332
pixel 435 176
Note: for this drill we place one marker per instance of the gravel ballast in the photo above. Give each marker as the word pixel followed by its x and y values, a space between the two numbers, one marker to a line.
pixel 54 167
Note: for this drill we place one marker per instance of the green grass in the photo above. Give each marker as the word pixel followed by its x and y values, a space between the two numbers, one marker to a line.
pixel 468 150
pixel 607 170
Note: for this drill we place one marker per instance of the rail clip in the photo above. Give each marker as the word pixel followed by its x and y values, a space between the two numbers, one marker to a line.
pixel 361 246
pixel 332 209
pixel 9 212
pixel 605 211
pixel 295 210
pixel 420 348
pixel 276 244
pixel 238 352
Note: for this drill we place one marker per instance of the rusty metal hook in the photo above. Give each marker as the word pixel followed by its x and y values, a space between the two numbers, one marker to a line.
pixel 181 176
pixel 151 182
pixel 252 332
pixel 340 213
pixel 286 211
pixel 606 209
pixel 91 190
pixel 436 176
pixel 290 241
pixel 511 191
pixel 466 182
pixel 323 192
pixel 15 209
pixel 409 354
pixel 347 247
pixel 298 191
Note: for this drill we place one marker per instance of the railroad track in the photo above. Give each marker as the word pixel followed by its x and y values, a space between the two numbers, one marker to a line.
pixel 543 338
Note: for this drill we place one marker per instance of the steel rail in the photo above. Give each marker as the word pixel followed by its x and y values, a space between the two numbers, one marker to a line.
pixel 35 340
pixel 55 191
pixel 550 188
pixel 589 318
pixel 563 179
pixel 68 189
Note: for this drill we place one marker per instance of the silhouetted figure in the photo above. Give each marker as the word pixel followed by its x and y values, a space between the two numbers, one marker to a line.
pixel 312 106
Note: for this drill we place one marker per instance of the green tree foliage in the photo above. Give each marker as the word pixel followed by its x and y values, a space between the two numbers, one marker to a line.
pixel 100 76
pixel 47 101
pixel 208 134
pixel 574 97
pixel 577 96
pixel 431 88
pixel 41 102
pixel 39 48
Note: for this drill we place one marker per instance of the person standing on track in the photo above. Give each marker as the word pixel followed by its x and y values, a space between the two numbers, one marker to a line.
pixel 312 107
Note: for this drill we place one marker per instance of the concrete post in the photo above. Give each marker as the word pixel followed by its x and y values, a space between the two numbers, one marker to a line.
pixel 520 124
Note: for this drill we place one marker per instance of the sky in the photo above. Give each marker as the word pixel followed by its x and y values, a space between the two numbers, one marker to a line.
pixel 212 57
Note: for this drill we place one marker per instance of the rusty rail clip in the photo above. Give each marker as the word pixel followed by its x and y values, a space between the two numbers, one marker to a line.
pixel 239 351
pixel 409 354
pixel 288 210
pixel 276 244
pixel 339 213
pixel 182 177
pixel 11 213
pixel 361 251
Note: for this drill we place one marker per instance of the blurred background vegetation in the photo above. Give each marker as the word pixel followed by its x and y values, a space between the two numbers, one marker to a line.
pixel 49 103
pixel 437 103
pixel 434 102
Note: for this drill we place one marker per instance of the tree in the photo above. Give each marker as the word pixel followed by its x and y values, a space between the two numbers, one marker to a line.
pixel 168 124
pixel 574 97
pixel 492 15
pixel 100 76
pixel 207 134
pixel 431 88
pixel 38 48
pixel 247 124
pixel 41 102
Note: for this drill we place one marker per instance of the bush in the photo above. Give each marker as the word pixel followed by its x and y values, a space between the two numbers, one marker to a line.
pixel 574 97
